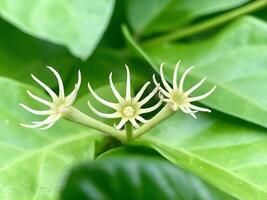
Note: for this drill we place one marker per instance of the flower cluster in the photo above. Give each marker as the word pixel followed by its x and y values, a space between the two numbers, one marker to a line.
pixel 59 105
pixel 129 109
pixel 176 97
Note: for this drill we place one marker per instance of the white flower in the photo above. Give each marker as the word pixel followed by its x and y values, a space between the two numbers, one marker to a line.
pixel 128 108
pixel 177 97
pixel 59 105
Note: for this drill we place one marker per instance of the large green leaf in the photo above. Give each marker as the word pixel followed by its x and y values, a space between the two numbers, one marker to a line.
pixel 122 176
pixel 235 60
pixel 226 152
pixel 156 15
pixel 32 162
pixel 78 25
pixel 21 55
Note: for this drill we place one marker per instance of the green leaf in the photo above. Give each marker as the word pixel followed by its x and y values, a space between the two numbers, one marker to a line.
pixel 235 60
pixel 122 176
pixel 21 55
pixel 33 162
pixel 224 151
pixel 152 16
pixel 78 25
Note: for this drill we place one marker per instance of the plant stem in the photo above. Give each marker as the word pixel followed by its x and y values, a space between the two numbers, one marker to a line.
pixel 165 112
pixel 77 116
pixel 191 30
pixel 129 130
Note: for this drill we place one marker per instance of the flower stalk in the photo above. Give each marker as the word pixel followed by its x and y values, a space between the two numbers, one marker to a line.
pixel 75 115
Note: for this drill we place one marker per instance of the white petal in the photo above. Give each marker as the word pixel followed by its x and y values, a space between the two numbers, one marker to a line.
pixel 188 112
pixel 199 108
pixel 188 92
pixel 79 79
pixel 60 82
pixel 165 93
pixel 202 96
pixel 141 91
pixel 48 126
pixel 121 124
pixel 72 96
pixel 50 92
pixel 150 109
pixel 148 97
pixel 181 84
pixel 104 115
pixel 155 80
pixel 36 112
pixel 165 83
pixel 141 119
pixel 134 123
pixel 175 87
pixel 101 100
pixel 114 90
pixel 43 101
pixel 48 120
pixel 31 125
pixel 128 84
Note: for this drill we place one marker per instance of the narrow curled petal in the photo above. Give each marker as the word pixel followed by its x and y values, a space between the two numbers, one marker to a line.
pixel 121 123
pixel 181 84
pixel 50 119
pixel 30 125
pixel 141 119
pixel 188 111
pixel 134 123
pixel 165 83
pixel 36 112
pixel 165 93
pixel 47 121
pixel 148 97
pixel 104 115
pixel 175 73
pixel 150 109
pixel 202 96
pixel 141 91
pixel 48 126
pixel 199 108
pixel 72 96
pixel 114 90
pixel 43 101
pixel 155 80
pixel 60 82
pixel 79 79
pixel 195 87
pixel 101 100
pixel 50 92
pixel 128 84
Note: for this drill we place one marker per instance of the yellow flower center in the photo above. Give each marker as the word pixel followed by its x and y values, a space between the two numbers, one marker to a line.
pixel 128 111
pixel 179 98
pixel 59 106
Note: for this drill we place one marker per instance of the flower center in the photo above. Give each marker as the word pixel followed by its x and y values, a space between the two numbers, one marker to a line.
pixel 179 98
pixel 60 107
pixel 128 111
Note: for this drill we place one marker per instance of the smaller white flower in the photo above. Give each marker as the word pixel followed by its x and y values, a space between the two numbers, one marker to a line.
pixel 59 105
pixel 177 97
pixel 128 108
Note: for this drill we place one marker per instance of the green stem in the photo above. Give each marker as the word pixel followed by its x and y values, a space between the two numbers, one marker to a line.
pixel 129 130
pixel 77 116
pixel 203 26
pixel 165 112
